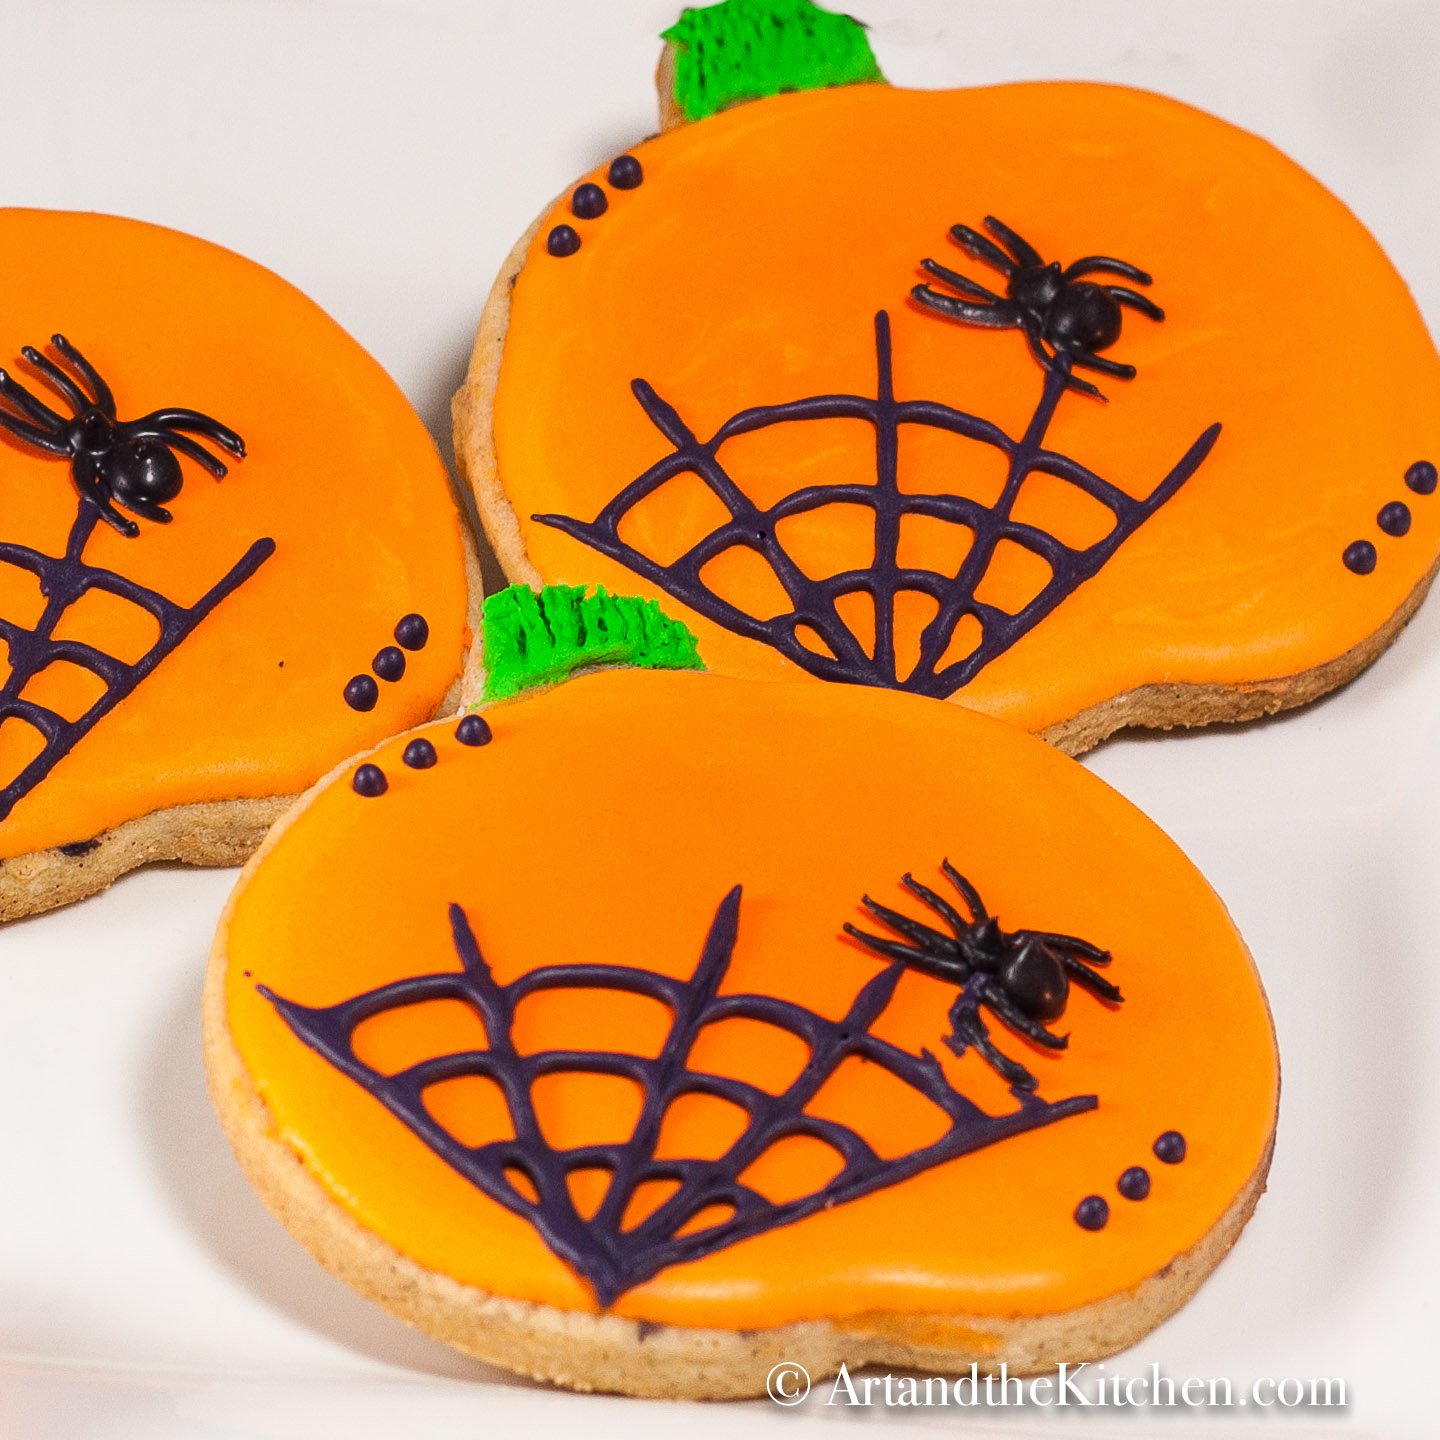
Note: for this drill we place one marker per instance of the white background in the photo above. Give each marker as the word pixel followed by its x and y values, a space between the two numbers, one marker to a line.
pixel 383 156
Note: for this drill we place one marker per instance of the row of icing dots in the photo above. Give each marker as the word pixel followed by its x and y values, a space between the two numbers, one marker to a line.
pixel 370 781
pixel 1093 1212
pixel 589 201
pixel 1361 556
pixel 412 632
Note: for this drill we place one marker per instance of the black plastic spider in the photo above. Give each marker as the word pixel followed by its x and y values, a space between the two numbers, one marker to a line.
pixel 1022 976
pixel 130 463
pixel 1054 307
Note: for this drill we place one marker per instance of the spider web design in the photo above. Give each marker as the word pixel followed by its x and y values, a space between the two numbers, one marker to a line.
pixel 63 580
pixel 813 601
pixel 610 1253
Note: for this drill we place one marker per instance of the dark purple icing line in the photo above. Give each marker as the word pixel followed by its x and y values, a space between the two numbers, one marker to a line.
pixel 814 601
pixel 63 580
pixel 610 1256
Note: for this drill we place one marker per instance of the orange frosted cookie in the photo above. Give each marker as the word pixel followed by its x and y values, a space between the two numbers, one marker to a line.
pixel 644 1031
pixel 229 553
pixel 1066 402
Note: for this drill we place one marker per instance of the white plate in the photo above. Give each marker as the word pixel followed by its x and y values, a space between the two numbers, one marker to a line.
pixel 383 156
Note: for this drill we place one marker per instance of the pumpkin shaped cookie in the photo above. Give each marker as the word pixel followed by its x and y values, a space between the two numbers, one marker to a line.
pixel 1067 402
pixel 645 1031
pixel 229 554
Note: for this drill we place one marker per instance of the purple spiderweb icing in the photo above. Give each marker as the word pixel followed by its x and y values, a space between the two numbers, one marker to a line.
pixel 63 580
pixel 612 1254
pixel 813 601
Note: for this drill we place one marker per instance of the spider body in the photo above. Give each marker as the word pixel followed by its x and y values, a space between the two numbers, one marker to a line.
pixel 1023 977
pixel 1067 318
pixel 132 464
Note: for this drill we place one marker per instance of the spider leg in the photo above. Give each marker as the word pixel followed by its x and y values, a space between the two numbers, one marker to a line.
pixel 1143 303
pixel 992 317
pixel 983 249
pixel 104 400
pixel 1087 979
pixel 148 510
pixel 1032 334
pixel 185 446
pixel 1000 1003
pixel 970 1031
pixel 1104 366
pixel 75 397
pixel 952 972
pixel 87 482
pixel 913 930
pixel 968 892
pixel 32 405
pixel 1070 942
pixel 881 945
pixel 194 421
pixel 1021 248
pixel 960 283
pixel 1098 264
pixel 31 434
pixel 942 907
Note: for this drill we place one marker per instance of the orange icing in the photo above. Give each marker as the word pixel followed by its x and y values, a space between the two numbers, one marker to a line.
pixel 604 823
pixel 340 473
pixel 746 271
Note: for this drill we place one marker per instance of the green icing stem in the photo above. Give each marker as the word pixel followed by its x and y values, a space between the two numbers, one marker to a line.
pixel 537 638
pixel 746 49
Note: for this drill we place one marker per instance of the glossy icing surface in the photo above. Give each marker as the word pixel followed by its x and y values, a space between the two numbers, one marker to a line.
pixel 340 474
pixel 602 824
pixel 748 270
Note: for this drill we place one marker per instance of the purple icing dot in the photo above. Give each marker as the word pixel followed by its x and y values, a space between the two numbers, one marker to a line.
pixel 419 755
pixel 1170 1148
pixel 412 632
pixel 473 730
pixel 389 664
pixel 1394 518
pixel 1360 557
pixel 370 781
pixel 588 202
pixel 1421 477
pixel 1092 1213
pixel 625 172
pixel 1134 1184
pixel 361 693
pixel 564 240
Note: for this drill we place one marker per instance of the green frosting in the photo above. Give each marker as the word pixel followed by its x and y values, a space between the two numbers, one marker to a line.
pixel 745 49
pixel 539 638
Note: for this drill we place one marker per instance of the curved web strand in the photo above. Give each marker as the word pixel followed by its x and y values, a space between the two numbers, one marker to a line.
pixel 612 1257
pixel 814 602
pixel 63 580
